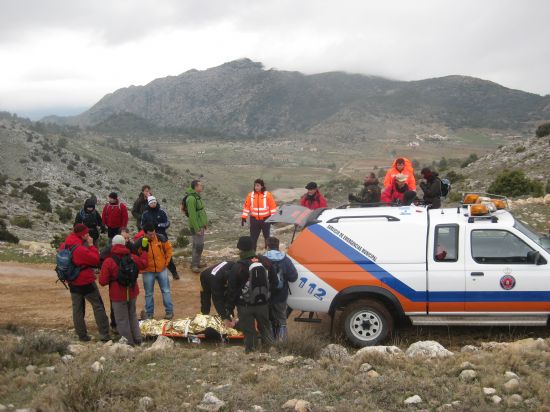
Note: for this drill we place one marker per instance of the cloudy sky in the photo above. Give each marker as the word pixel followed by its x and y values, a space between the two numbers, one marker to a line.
pixel 61 56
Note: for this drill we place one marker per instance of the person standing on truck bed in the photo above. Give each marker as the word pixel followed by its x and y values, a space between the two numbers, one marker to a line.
pixel 431 187
pixel 370 193
pixel 402 166
pixel 395 193
pixel 259 205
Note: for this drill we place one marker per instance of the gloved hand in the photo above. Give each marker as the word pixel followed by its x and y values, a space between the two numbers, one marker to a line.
pixel 243 221
pixel 144 243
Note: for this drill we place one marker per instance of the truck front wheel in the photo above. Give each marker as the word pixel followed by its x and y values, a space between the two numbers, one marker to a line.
pixel 366 322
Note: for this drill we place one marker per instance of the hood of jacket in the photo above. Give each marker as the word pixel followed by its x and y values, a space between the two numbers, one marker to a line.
pixel 120 250
pixel 89 203
pixel 73 240
pixel 408 164
pixel 275 255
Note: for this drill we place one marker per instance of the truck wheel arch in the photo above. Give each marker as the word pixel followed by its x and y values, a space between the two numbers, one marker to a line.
pixel 353 293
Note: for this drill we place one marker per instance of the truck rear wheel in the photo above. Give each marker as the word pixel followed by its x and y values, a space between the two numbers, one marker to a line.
pixel 366 322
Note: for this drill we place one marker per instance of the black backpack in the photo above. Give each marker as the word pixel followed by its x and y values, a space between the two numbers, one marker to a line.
pixel 127 270
pixel 184 205
pixel 445 187
pixel 89 219
pixel 278 269
pixel 256 290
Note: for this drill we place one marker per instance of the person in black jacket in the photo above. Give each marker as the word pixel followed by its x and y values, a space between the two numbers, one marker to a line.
pixel 91 218
pixel 286 272
pixel 431 187
pixel 155 215
pixel 237 291
pixel 214 281
pixel 140 205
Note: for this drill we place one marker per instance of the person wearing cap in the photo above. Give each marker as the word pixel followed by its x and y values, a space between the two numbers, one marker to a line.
pixel 90 217
pixel 114 215
pixel 370 193
pixel 313 199
pixel 83 288
pixel 404 167
pixel 237 287
pixel 123 298
pixel 431 186
pixel 198 222
pixel 259 205
pixel 155 215
pixel 396 191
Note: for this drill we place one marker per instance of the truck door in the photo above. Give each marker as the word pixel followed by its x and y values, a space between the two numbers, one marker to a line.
pixel 505 272
pixel 446 285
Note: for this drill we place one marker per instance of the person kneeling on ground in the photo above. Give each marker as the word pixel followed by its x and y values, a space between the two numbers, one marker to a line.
pixel 285 272
pixel 214 280
pixel 250 282
pixel 120 271
pixel 86 256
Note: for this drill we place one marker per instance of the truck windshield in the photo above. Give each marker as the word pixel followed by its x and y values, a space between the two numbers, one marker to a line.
pixel 541 240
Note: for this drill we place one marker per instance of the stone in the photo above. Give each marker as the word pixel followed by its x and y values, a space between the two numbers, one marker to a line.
pixel 467 365
pixel 316 393
pixel 445 407
pixel 365 367
pixel 97 367
pixel 428 349
pixel 546 199
pixel 66 359
pixel 49 369
pixel 267 368
pixel 162 343
pixel 287 360
pixel 469 349
pixel 257 408
pixel 223 387
pixel 468 375
pixel 76 349
pixel 102 359
pixel 490 346
pixel 412 400
pixel 152 364
pixel 121 349
pixel 302 406
pixel 511 386
pixel 31 368
pixel 489 391
pixel 529 344
pixel 510 375
pixel 210 403
pixel 496 399
pixel 514 400
pixel 146 403
pixel 384 350
pixel 3 407
pixel 108 343
pixel 373 374
pixel 290 404
pixel 335 352
pixel 123 340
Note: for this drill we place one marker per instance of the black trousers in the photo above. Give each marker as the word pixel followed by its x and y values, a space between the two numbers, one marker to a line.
pixel 258 226
pixel 79 296
pixel 112 232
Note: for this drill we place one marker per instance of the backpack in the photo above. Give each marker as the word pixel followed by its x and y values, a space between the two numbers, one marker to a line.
pixel 184 205
pixel 256 290
pixel 278 269
pixel 445 187
pixel 127 271
pixel 66 270
pixel 88 219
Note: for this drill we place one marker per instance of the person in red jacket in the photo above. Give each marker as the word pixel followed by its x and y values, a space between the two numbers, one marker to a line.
pixel 85 256
pixel 313 199
pixel 114 215
pixel 396 191
pixel 123 298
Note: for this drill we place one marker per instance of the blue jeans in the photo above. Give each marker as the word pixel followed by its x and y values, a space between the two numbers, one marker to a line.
pixel 149 286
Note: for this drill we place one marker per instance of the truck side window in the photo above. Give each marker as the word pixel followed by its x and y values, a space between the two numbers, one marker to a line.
pixel 492 246
pixel 446 243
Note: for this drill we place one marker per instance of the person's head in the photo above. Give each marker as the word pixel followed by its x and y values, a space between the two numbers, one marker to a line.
pixel 118 240
pixel 89 205
pixel 146 191
pixel 400 164
pixel 81 231
pixel 259 185
pixel 196 185
pixel 312 188
pixel 125 234
pixel 273 243
pixel 400 180
pixel 426 173
pixel 113 197
pixel 149 229
pixel 245 244
pixel 152 202
pixel 370 178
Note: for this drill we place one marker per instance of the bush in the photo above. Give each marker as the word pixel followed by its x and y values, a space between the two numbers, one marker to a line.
pixel 5 235
pixel 515 183
pixel 470 159
pixel 39 196
pixel 56 241
pixel 520 149
pixel 37 343
pixel 3 179
pixel 40 185
pixel 454 177
pixel 65 214
pixel 543 130
pixel 455 196
pixel 21 221
pixel 46 158
pixel 82 173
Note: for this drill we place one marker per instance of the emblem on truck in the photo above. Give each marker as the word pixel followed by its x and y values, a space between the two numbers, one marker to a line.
pixel 507 282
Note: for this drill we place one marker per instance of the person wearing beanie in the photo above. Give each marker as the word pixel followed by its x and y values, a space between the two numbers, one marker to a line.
pixel 86 256
pixel 90 217
pixel 258 206
pixel 156 216
pixel 313 199
pixel 431 186
pixel 239 287
pixel 114 215
pixel 123 297
pixel 140 204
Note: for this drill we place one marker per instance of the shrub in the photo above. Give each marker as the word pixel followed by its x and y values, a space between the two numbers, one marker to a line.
pixel 39 196
pixel 454 177
pixel 62 143
pixel 5 235
pixel 40 185
pixel 515 183
pixel 470 159
pixel 520 149
pixel 82 173
pixel 182 240
pixel 543 130
pixel 65 214
pixel 46 158
pixel 3 179
pixel 56 241
pixel 455 196
pixel 70 167
pixel 21 221
pixel 39 342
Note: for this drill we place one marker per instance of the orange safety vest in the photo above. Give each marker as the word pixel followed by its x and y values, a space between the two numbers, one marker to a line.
pixel 259 205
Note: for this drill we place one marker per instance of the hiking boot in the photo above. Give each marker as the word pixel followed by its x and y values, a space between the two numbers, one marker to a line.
pixel 105 338
pixel 176 276
pixel 195 269
pixel 84 338
pixel 169 316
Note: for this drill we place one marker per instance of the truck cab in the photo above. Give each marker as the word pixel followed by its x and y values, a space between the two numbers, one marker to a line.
pixel 474 264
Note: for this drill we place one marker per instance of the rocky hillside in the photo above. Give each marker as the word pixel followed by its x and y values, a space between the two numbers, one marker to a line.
pixel 241 98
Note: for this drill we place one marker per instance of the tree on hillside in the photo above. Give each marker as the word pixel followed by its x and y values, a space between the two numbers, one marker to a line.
pixel 543 130
pixel 515 183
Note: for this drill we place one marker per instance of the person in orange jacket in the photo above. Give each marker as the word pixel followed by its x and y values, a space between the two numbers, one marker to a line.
pixel 402 166
pixel 259 205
